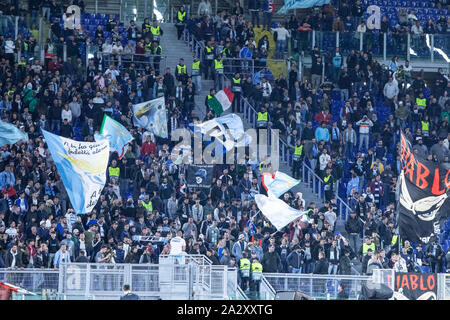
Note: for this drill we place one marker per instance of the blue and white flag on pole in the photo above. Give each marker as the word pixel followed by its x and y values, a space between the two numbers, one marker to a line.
pixel 301 4
pixel 117 135
pixel 10 134
pixel 278 183
pixel 152 116
pixel 278 212
pixel 228 130
pixel 82 167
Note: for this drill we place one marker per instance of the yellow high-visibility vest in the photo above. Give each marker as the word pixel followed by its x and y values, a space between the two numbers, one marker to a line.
pixel 114 172
pixel 256 267
pixel 366 247
pixel 148 206
pixel 155 31
pixel 148 47
pixel 421 102
pixel 160 50
pixel 179 68
pixel 244 264
pixel 236 87
pixel 218 66
pixel 425 126
pixel 181 15
pixel 298 150
pixel 22 63
pixel 195 68
pixel 262 119
pixel 209 53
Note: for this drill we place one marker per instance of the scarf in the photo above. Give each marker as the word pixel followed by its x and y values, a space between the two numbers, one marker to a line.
pixel 13 262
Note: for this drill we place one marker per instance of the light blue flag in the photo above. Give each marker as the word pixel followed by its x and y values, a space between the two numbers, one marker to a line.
pixel 278 183
pixel 10 134
pixel 301 4
pixel 82 167
pixel 152 116
pixel 117 135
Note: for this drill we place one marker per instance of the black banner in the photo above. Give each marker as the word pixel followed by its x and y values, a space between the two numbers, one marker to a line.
pixel 424 204
pixel 199 176
pixel 415 286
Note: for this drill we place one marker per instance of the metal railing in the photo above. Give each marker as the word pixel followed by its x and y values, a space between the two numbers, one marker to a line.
pixel 175 277
pixel 316 183
pixel 321 287
pixel 34 280
pixel 430 48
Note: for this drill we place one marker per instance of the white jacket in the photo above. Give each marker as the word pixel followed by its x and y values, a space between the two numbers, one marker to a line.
pixel 204 8
pixel 390 89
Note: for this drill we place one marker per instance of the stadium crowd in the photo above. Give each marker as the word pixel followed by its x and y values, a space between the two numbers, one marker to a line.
pixel 146 209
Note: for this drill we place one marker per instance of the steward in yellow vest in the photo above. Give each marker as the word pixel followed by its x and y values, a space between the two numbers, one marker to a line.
pixel 181 20
pixel 180 69
pixel 196 67
pixel 263 118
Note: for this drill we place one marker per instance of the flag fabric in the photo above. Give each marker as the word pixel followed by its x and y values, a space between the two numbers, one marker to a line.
pixel 117 135
pixel 423 196
pixel 10 134
pixel 199 176
pixel 82 167
pixel 277 211
pixel 278 183
pixel 228 130
pixel 301 4
pixel 221 101
pixel 152 116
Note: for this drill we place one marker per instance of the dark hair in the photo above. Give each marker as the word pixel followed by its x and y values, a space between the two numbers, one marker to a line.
pixel 126 287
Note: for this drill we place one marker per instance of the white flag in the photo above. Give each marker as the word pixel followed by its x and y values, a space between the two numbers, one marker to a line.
pixel 277 211
pixel 228 130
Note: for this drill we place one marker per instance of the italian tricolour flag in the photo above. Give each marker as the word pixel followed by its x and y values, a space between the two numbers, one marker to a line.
pixel 221 101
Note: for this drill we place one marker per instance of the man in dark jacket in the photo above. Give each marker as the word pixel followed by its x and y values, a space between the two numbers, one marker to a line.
pixel 295 260
pixel 354 227
pixel 13 259
pixel 271 260
pixel 321 268
pixel 321 265
pixel 345 265
pixel 127 294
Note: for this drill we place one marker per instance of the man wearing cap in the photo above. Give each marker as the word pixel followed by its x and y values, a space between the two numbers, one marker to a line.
pixel 239 247
pixel 295 260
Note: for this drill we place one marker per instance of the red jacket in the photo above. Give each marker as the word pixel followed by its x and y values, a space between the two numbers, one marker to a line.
pixel 320 117
pixel 148 148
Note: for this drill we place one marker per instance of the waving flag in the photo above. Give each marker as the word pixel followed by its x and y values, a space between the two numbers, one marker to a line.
pixel 228 130
pixel 423 200
pixel 301 4
pixel 82 167
pixel 278 183
pixel 10 134
pixel 277 211
pixel 221 101
pixel 117 135
pixel 152 115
